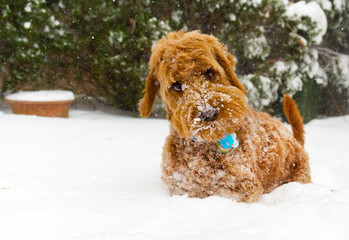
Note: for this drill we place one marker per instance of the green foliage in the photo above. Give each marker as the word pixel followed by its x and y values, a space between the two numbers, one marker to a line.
pixel 116 36
pixel 30 32
pixel 334 49
pixel 98 48
pixel 101 48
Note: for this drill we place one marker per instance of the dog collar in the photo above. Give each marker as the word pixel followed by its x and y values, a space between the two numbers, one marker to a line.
pixel 225 144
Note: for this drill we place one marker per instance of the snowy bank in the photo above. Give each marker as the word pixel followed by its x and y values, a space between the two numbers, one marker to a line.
pixel 97 176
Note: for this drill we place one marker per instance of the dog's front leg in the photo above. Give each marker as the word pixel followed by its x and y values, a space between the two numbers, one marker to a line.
pixel 246 186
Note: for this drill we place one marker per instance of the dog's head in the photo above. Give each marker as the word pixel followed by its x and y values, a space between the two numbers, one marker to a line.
pixel 194 75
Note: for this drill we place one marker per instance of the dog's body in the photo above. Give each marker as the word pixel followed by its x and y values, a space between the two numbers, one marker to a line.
pixel 267 157
pixel 205 102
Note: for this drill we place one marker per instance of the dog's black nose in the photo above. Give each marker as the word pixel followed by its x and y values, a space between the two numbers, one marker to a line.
pixel 209 114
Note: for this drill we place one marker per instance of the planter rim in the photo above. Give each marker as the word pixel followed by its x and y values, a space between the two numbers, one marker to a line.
pixel 42 96
pixel 9 101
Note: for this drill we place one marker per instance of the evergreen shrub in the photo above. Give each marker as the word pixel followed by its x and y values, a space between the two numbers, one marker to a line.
pixel 101 48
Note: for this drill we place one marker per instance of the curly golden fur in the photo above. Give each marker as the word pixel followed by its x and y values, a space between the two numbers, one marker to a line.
pixel 194 75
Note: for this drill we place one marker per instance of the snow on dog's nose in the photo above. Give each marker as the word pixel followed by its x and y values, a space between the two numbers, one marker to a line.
pixel 209 114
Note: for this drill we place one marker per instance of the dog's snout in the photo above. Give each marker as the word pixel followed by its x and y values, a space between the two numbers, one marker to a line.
pixel 209 114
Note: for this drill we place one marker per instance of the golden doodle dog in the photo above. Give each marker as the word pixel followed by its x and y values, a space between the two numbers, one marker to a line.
pixel 218 145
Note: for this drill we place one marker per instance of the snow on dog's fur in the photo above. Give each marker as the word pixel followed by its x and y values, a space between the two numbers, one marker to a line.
pixel 205 101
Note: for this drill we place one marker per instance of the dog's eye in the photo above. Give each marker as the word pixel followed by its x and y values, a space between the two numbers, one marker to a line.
pixel 209 73
pixel 177 86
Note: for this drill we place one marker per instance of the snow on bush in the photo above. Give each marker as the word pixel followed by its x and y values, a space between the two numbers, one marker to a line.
pixel 312 68
pixel 262 91
pixel 257 48
pixel 343 72
pixel 312 10
pixel 307 24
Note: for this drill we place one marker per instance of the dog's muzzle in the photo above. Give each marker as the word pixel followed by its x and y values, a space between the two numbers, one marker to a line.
pixel 209 114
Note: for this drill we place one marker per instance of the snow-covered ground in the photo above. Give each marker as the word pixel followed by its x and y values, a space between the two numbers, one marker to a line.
pixel 97 176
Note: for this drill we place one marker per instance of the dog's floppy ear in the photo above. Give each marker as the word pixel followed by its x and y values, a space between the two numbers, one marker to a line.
pixel 226 60
pixel 152 87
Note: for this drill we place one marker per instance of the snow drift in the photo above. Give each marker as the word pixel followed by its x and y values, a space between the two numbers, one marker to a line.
pixel 97 176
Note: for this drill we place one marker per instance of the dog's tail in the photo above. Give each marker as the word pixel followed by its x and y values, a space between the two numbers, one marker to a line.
pixel 294 118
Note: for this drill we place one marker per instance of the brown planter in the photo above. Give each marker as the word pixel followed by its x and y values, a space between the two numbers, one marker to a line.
pixel 44 109
pixel 56 108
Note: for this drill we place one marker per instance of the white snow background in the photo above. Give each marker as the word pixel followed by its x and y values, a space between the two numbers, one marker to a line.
pixel 97 176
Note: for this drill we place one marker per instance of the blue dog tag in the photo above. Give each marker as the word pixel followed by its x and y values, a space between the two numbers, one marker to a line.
pixel 227 143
